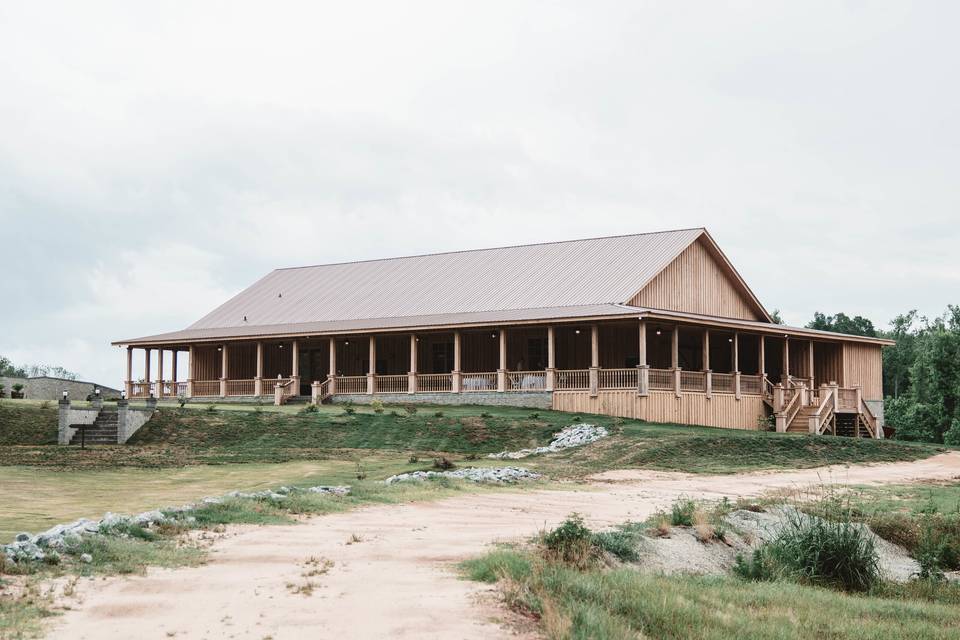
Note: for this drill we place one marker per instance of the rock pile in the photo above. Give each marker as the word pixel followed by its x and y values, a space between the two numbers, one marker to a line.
pixel 63 537
pixel 575 435
pixel 473 474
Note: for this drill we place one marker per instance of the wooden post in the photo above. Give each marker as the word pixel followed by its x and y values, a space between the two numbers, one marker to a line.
pixel 258 378
pixel 763 356
pixel 128 384
pixel 224 362
pixel 146 366
pixel 643 373
pixel 173 368
pixel 159 373
pixel 708 373
pixel 412 374
pixel 295 366
pixel 810 363
pixel 372 366
pixel 675 358
pixel 502 370
pixel 594 360
pixel 786 359
pixel 551 373
pixel 192 371
pixel 456 381
pixel 736 365
pixel 332 367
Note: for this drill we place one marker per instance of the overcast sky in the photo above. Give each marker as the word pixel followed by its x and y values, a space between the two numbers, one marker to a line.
pixel 156 159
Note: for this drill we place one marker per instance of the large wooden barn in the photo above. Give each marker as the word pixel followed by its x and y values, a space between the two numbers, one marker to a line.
pixel 656 326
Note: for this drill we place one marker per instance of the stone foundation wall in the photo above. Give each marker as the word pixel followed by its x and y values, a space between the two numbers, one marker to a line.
pixel 533 400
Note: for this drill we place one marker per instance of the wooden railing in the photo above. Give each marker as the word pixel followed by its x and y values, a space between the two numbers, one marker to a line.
pixel 693 381
pixel 140 389
pixel 526 380
pixel 767 386
pixel 321 391
pixel 240 387
pixel 723 383
pixel 476 382
pixel 351 384
pixel 662 379
pixel 847 399
pixel 868 419
pixel 791 409
pixel 572 379
pixel 617 378
pixel 436 382
pixel 824 415
pixel 206 388
pixel 398 383
pixel 751 385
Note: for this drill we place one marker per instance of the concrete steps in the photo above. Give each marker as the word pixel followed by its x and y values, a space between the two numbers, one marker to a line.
pixel 102 431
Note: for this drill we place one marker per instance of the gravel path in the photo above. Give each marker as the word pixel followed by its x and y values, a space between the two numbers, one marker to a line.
pixel 399 580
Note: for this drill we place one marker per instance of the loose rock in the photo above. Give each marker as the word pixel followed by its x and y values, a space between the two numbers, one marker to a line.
pixel 473 474
pixel 575 435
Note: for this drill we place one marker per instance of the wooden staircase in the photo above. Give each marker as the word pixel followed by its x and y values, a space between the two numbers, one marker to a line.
pixel 801 422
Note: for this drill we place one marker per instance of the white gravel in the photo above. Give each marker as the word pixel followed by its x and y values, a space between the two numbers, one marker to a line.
pixel 473 474
pixel 576 435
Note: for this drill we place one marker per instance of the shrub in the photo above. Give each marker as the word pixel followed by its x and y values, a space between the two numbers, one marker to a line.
pixel 929 554
pixel 681 512
pixel 571 542
pixel 952 435
pixel 377 406
pixel 438 414
pixel 348 410
pixel 621 543
pixel 534 416
pixel 182 400
pixel 443 464
pixel 310 408
pixel 835 553
pixel 414 459
pixel 485 414
pixel 211 408
pixel 411 409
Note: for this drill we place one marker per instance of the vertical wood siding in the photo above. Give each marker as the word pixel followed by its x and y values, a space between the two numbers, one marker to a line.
pixel 863 365
pixel 691 408
pixel 695 282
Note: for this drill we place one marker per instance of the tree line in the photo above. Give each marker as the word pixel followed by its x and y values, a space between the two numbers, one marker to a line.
pixel 10 370
pixel 921 373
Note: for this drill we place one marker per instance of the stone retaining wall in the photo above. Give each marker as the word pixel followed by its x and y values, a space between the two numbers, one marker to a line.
pixel 531 399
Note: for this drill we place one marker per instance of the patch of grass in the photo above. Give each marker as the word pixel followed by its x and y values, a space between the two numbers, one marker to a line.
pixel 624 603
pixel 27 423
pixel 131 555
pixel 22 616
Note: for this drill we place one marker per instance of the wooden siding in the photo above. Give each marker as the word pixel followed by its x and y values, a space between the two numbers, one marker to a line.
pixel 863 365
pixel 691 408
pixel 695 282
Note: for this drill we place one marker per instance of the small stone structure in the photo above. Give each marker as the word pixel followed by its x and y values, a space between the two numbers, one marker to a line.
pixel 47 388
pixel 129 419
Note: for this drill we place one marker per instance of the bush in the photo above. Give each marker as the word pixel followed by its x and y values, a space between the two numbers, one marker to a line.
pixel 411 409
pixel 310 408
pixel 438 414
pixel 211 408
pixel 621 543
pixel 571 542
pixel 952 436
pixel 443 464
pixel 681 513
pixel 835 553
pixel 377 406
pixel 929 554
pixel 348 410
pixel 485 414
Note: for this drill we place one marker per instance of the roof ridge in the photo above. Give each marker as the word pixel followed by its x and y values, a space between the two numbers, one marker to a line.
pixel 511 246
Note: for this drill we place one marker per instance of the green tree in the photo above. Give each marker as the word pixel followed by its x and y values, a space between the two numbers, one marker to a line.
pixel 775 316
pixel 842 323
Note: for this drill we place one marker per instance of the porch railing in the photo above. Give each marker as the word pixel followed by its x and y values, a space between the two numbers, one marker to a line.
pixel 617 378
pixel 526 381
pixel 140 389
pixel 435 382
pixel 206 388
pixel 391 384
pixel 475 382
pixel 662 379
pixel 268 384
pixel 240 387
pixel 572 379
pixel 693 381
pixel 847 399
pixel 723 383
pixel 351 384
pixel 751 385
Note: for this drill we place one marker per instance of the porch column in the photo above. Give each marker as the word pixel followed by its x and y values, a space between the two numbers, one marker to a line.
pixel 786 360
pixel 502 370
pixel 372 366
pixel 159 373
pixel 551 373
pixel 594 360
pixel 295 366
pixel 643 369
pixel 456 382
pixel 332 367
pixel 675 358
pixel 224 362
pixel 173 367
pixel 258 378
pixel 412 374
pixel 708 373
pixel 810 362
pixel 146 367
pixel 128 383
pixel 736 365
pixel 192 371
pixel 763 356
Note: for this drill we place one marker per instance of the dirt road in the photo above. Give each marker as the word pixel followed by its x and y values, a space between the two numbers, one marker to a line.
pixel 399 579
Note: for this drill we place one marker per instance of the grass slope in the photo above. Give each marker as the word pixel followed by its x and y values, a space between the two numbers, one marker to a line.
pixel 27 423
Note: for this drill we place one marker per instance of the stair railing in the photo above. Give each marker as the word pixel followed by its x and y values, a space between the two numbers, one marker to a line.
pixel 792 409
pixel 824 413
pixel 867 419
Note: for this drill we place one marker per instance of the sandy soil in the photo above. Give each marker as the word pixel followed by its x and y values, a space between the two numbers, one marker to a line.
pixel 399 580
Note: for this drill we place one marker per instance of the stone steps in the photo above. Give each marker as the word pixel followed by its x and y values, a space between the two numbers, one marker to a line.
pixel 103 430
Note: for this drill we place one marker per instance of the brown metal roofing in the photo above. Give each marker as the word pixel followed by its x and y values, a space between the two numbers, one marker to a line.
pixel 557 274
